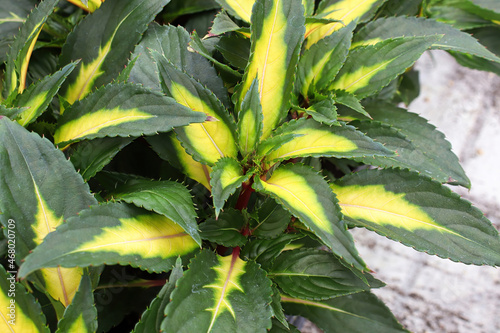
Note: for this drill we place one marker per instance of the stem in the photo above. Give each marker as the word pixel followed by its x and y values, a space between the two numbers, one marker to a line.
pixel 244 197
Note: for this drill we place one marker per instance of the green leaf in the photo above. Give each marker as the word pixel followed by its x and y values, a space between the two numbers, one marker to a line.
pixel 209 141
pixel 81 314
pixel 11 113
pixel 91 156
pixel 278 313
pixel 226 229
pixel 357 313
pixel 226 177
pixel 319 64
pixel 272 219
pixel 307 196
pixel 278 327
pixel 370 68
pixel 20 51
pixel 113 233
pixel 179 8
pixel 27 197
pixel 235 49
pixel 420 213
pixel 320 140
pixel 271 144
pixel 20 311
pixel 316 275
pixel 250 120
pixel 222 24
pixel 220 294
pixel 431 146
pixel 347 99
pixel 277 32
pixel 241 9
pixel 324 112
pixel 265 251
pixel 153 316
pixel 12 17
pixel 122 110
pixel 107 46
pixel 168 198
pixel 393 27
pixel 38 96
pixel 486 9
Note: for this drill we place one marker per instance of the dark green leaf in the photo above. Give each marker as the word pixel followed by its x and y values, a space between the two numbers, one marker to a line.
pixel 352 102
pixel 225 230
pixel 235 49
pixel 179 8
pixel 265 251
pixel 278 313
pixel 324 112
pixel 272 219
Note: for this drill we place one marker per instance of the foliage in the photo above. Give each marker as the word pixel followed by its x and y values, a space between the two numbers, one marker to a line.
pixel 154 177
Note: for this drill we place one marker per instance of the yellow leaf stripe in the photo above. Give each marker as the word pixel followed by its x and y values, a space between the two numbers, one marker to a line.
pixel 92 5
pixel 22 323
pixel 268 64
pixel 78 325
pixel 92 123
pixel 193 169
pixel 296 191
pixel 26 60
pixel 345 11
pixel 229 271
pixel 360 78
pixel 150 236
pixel 317 304
pixel 33 104
pixel 242 8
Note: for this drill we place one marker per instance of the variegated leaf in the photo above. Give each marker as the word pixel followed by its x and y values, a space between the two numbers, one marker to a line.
pixel 107 46
pixel 226 229
pixel 277 32
pixel 420 213
pixel 27 197
pixel 241 9
pixel 265 251
pixel 122 110
pixel 307 196
pixel 220 294
pixel 114 233
pixel 250 120
pixel 88 5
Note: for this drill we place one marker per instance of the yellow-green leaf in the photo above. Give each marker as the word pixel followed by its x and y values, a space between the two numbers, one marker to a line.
pixel 88 5
pixel 242 9
pixel 113 233
pixel 276 33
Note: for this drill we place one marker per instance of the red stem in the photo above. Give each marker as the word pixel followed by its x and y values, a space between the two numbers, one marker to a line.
pixel 244 197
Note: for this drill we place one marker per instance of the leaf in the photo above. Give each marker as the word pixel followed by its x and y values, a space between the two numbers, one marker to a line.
pixel 265 251
pixel 272 219
pixel 172 42
pixel 319 64
pixel 344 11
pixel 370 68
pixel 393 27
pixel 11 113
pixel 107 46
pixel 316 275
pixel 178 8
pixel 113 233
pixel 12 17
pixel 235 49
pixel 20 50
pixel 278 313
pixel 357 313
pixel 307 196
pixel 420 213
pixel 223 24
pixel 122 110
pixel 277 32
pixel 324 112
pixel 88 5
pixel 319 140
pixel 153 316
pixel 19 310
pixel 486 9
pixel 241 9
pixel 345 98
pixel 91 156
pixel 226 177
pixel 209 141
pixel 225 230
pixel 278 327
pixel 27 196
pixel 250 120
pixel 39 95
pixel 431 146
pixel 81 314
pixel 220 294
pixel 169 148
pixel 271 144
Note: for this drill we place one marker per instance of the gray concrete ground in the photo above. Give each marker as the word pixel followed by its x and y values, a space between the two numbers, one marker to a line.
pixel 428 294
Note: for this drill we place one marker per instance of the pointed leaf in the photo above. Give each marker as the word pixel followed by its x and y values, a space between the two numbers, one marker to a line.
pixel 223 23
pixel 11 113
pixel 27 196
pixel 19 310
pixel 420 213
pixel 12 17
pixel 168 198
pixel 347 99
pixel 321 140
pixel 81 314
pixel 235 49
pixel 113 233
pixel 307 196
pixel 432 148
pixel 265 251
pixel 315 275
pixel 357 313
pixel 344 11
pixel 209 141
pixel 370 68
pixel 272 219
pixel 107 46
pixel 278 313
pixel 226 177
pixel 20 51
pixel 250 120
pixel 39 95
pixel 279 327
pixel 241 9
pixel 271 144
pixel 277 32
pixel 452 40
pixel 225 230
pixel 319 64
pixel 88 5
pixel 220 294
pixel 122 110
